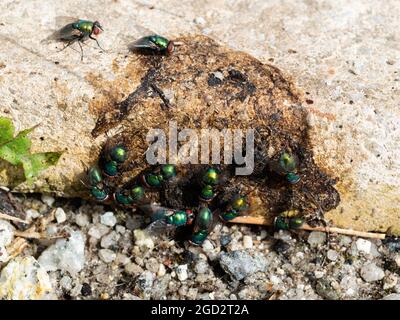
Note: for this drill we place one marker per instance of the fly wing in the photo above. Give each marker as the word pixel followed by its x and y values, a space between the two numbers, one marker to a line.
pixel 155 212
pixel 142 43
pixel 64 29
pixel 160 228
pixel 215 220
pixel 61 21
pixel 68 33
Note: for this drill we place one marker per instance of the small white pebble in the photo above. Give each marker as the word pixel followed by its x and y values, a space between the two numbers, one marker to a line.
pixel 263 234
pixel 82 219
pixel 207 245
pixel 200 21
pixel 66 283
pixel 108 219
pixel 143 239
pixel 51 229
pixel 161 270
pixel 6 233
pixel 133 268
pixel 280 271
pixel 120 229
pixel 274 279
pixel 97 231
pixel 60 215
pixel 109 240
pixel 364 245
pixel 332 255
pixel 49 200
pixel 107 255
pixel 76 291
pixel 32 214
pixel 181 272
pixel 122 259
pixel 247 242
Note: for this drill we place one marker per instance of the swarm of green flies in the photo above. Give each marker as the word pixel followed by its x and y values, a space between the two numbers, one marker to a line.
pixel 210 206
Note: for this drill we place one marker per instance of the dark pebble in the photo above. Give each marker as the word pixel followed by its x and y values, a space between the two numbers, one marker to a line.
pixel 280 246
pixel 86 290
pixel 393 244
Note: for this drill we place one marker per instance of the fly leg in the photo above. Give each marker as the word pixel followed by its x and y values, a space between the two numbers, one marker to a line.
pixel 80 46
pixel 67 45
pixel 96 42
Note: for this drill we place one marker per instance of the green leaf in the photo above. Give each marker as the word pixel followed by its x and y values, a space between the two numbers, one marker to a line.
pixel 16 150
pixel 34 164
pixel 6 130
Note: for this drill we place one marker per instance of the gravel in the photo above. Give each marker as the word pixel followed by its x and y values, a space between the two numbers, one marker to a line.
pixel 25 279
pixel 236 262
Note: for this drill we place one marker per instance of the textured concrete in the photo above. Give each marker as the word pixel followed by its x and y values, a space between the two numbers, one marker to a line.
pixel 344 54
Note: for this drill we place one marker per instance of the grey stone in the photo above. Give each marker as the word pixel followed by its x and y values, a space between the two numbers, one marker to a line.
pixel 109 240
pixel 98 230
pixel 65 255
pixel 201 266
pixel 316 238
pixel 6 233
pixel 240 264
pixel 152 265
pixel 370 272
pixel 332 255
pixel 107 255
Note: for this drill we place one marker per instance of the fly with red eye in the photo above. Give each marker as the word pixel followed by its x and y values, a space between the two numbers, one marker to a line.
pixel 78 31
pixel 97 28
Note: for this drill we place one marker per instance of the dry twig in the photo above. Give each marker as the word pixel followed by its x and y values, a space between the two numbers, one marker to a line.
pixel 265 222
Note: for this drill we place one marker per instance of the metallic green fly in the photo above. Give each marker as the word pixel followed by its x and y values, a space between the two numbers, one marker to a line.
pixel 79 31
pixel 153 44
pixel 164 220
pixel 204 223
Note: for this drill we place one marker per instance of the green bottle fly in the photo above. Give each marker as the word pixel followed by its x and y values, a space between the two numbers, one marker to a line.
pixel 153 43
pixel 78 31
